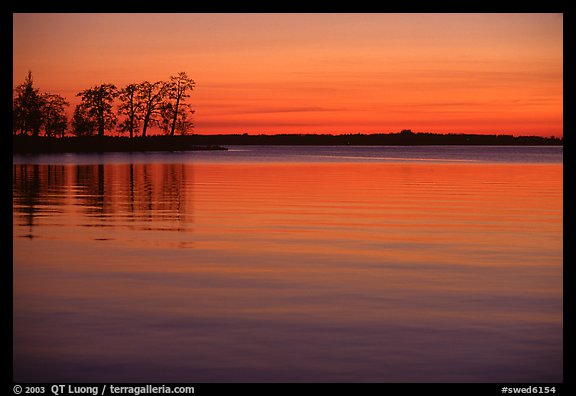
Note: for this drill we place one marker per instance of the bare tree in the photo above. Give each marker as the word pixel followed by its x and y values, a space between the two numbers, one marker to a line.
pixel 53 114
pixel 82 123
pixel 184 123
pixel 179 87
pixel 183 119
pixel 151 96
pixel 130 106
pixel 98 103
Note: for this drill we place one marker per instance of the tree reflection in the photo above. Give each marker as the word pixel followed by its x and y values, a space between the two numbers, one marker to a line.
pixel 38 190
pixel 91 189
pixel 108 195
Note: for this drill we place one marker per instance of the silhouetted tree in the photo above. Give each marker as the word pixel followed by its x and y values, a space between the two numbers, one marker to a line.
pixel 98 104
pixel 27 108
pixel 131 107
pixel 178 88
pixel 82 123
pixel 151 96
pixel 184 124
pixel 183 121
pixel 53 115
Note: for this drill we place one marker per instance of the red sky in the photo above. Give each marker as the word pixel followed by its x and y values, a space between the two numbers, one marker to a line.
pixel 316 73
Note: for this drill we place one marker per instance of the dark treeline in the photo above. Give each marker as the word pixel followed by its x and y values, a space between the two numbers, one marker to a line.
pixel 105 109
pixel 403 138
pixel 98 144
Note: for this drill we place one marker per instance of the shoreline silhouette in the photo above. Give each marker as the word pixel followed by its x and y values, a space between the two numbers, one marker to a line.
pixel 40 144
pixel 99 144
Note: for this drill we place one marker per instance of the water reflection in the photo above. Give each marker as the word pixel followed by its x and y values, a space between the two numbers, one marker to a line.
pixel 37 190
pixel 110 194
pixel 266 272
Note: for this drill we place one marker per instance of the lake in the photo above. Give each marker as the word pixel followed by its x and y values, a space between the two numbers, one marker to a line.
pixel 289 264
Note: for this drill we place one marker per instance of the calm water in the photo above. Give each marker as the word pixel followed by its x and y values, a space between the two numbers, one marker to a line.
pixel 266 264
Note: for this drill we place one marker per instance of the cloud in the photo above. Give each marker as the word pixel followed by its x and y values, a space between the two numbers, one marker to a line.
pixel 235 110
pixel 291 110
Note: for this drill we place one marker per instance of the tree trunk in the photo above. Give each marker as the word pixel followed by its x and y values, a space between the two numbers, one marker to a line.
pixel 131 127
pixel 175 116
pixel 100 127
pixel 100 122
pixel 145 126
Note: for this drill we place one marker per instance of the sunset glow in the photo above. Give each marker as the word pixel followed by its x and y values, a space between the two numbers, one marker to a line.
pixel 316 73
pixel 315 272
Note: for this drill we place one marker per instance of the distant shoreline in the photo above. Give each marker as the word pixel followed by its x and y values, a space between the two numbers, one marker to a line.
pixel 31 145
pixel 404 138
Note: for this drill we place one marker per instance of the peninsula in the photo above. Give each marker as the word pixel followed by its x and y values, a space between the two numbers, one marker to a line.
pixel 99 144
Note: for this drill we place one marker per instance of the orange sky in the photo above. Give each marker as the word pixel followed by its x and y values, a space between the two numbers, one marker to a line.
pixel 316 73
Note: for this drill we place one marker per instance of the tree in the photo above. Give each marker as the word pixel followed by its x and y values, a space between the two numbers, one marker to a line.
pixel 27 108
pixel 151 97
pixel 183 122
pixel 178 88
pixel 131 107
pixel 82 122
pixel 53 115
pixel 97 101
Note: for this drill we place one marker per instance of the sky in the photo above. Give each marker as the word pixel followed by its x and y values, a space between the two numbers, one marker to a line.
pixel 315 73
